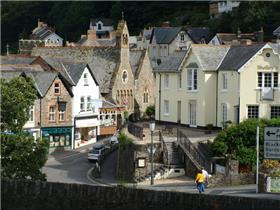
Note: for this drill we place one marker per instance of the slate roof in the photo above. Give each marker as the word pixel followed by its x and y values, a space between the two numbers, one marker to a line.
pixel 198 33
pixel 135 59
pixel 43 80
pixel 165 35
pixel 172 63
pixel 237 56
pixel 17 59
pixel 209 56
pixel 147 33
pixel 21 67
pixel 276 32
pixel 41 32
pixel 105 21
pixel 226 37
pixel 102 61
pixel 70 70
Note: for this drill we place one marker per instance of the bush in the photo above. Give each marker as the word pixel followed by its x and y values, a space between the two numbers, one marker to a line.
pixel 124 141
pixel 238 142
pixel 150 111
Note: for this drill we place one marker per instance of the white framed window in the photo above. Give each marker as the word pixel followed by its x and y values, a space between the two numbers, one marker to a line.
pixel 31 114
pixel 89 103
pixel 82 104
pixel 192 79
pixel 57 88
pixel 61 111
pixel 85 79
pixel 275 112
pixel 52 113
pixel 182 37
pixel 146 96
pixel 225 81
pixel 166 81
pixel 253 111
pixel 166 107
pixel 224 114
pixel 179 81
pixel 267 79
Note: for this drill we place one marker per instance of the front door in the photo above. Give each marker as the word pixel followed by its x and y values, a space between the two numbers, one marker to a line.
pixel 192 113
pixel 179 112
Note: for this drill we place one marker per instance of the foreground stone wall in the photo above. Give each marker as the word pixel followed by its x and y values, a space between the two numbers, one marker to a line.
pixel 29 195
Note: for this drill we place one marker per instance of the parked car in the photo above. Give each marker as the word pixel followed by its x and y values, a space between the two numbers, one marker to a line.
pixel 96 153
pixel 114 139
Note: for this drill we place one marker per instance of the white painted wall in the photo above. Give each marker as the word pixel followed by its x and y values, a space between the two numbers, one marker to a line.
pixel 80 90
pixel 53 40
pixel 214 41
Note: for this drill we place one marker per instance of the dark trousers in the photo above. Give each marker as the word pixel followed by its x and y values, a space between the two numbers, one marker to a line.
pixel 200 187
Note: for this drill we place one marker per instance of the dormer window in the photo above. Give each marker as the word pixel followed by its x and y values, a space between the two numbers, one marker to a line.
pixel 99 26
pixel 57 88
pixel 182 37
pixel 85 79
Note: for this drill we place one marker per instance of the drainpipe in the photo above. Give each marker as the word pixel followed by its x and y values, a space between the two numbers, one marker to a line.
pixel 41 119
pixel 159 105
pixel 217 91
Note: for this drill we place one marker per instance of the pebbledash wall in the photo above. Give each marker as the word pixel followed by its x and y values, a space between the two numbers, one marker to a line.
pixel 30 195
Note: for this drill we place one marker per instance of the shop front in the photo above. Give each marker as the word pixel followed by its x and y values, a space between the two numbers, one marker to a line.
pixel 86 130
pixel 58 136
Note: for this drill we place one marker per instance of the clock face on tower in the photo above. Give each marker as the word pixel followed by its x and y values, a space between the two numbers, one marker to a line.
pixel 124 76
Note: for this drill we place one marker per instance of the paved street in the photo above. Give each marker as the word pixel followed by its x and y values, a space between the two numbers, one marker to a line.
pixel 70 166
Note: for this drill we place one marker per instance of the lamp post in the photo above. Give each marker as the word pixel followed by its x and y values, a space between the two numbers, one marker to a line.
pixel 152 128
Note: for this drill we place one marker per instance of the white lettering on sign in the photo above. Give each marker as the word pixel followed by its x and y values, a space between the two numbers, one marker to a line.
pixel 272 143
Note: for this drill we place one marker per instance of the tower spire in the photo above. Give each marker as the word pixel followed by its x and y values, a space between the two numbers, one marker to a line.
pixel 122 15
pixel 7 46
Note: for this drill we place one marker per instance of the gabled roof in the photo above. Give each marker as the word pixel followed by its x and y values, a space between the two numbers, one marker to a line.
pixel 102 61
pixel 147 33
pixel 199 33
pixel 105 21
pixel 276 32
pixel 237 56
pixel 135 59
pixel 209 56
pixel 42 80
pixel 172 63
pixel 165 35
pixel 70 70
pixel 226 37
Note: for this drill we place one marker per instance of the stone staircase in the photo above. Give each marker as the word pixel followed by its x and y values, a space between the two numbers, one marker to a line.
pixel 173 154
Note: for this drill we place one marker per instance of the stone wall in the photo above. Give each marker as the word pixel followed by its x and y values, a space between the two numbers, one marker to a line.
pixel 30 195
pixel 125 167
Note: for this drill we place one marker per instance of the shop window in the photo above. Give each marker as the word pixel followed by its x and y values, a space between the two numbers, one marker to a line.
pixel 52 113
pixel 57 88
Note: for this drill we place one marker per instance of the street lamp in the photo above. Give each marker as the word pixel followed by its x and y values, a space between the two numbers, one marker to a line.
pixel 152 128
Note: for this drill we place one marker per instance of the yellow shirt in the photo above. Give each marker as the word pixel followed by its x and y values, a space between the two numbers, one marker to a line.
pixel 199 177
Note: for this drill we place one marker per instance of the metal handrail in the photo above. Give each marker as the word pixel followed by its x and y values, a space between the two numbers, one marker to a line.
pixel 196 155
pixel 135 130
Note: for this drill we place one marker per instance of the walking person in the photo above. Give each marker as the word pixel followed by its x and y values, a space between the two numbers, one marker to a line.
pixel 206 177
pixel 199 181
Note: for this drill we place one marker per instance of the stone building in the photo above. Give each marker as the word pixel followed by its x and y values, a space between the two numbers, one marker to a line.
pixel 113 67
pixel 42 35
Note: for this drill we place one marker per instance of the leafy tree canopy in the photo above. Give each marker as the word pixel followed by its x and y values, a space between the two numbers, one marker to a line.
pixel 22 157
pixel 17 96
pixel 239 141
pixel 71 19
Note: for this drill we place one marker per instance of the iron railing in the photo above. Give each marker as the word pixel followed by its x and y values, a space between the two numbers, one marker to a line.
pixel 135 130
pixel 193 152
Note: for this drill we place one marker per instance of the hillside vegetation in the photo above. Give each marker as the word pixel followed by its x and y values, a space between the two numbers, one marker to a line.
pixel 71 19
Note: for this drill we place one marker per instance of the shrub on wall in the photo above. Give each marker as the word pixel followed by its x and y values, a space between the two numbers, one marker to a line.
pixel 22 157
pixel 124 141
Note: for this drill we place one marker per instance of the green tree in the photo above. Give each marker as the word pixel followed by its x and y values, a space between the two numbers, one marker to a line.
pixel 239 141
pixel 150 110
pixel 17 96
pixel 22 157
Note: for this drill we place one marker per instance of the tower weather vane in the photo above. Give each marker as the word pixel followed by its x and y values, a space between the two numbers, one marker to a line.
pixel 122 15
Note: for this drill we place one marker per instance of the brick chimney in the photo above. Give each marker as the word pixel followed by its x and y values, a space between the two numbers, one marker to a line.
pixel 40 23
pixel 91 35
